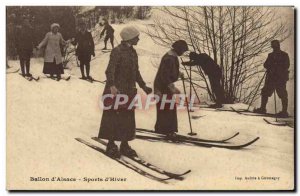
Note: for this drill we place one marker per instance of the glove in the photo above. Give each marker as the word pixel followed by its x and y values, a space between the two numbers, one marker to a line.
pixel 158 93
pixel 181 75
pixel 193 56
pixel 147 90
pixel 173 89
pixel 189 63
pixel 113 90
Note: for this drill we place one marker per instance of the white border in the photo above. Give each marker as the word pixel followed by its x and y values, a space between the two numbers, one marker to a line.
pixel 5 3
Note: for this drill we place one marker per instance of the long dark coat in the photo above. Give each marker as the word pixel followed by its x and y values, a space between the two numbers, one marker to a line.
pixel 24 41
pixel 86 46
pixel 122 72
pixel 168 72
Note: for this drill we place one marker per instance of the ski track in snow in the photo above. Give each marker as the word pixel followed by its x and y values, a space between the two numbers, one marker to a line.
pixel 44 118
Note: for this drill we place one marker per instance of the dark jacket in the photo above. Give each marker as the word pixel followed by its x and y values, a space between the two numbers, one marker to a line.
pixel 208 65
pixel 277 65
pixel 86 46
pixel 168 72
pixel 24 39
pixel 123 70
pixel 108 29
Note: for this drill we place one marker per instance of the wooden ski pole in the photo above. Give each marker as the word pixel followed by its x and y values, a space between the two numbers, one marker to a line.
pixel 275 106
pixel 256 91
pixel 191 87
pixel 187 107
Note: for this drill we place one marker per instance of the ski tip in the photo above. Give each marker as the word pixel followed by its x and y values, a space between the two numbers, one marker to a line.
pixel 257 138
pixel 180 176
pixel 188 171
pixel 236 134
pixel 79 139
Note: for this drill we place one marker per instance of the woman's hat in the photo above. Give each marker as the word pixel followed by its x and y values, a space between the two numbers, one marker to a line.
pixel 180 45
pixel 55 25
pixel 129 33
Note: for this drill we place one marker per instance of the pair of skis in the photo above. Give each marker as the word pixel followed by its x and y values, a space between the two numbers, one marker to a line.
pixel 15 71
pixel 150 135
pixel 106 50
pixel 31 78
pixel 137 164
pixel 249 113
pixel 92 80
pixel 62 78
pixel 141 166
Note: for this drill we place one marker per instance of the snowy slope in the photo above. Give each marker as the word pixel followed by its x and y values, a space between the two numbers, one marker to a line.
pixel 44 117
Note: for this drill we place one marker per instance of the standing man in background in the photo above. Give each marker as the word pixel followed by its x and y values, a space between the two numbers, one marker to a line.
pixel 84 50
pixel 109 34
pixel 277 66
pixel 24 45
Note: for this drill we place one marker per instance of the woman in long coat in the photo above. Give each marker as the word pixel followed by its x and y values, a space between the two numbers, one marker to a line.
pixel 122 74
pixel 167 74
pixel 85 49
pixel 53 57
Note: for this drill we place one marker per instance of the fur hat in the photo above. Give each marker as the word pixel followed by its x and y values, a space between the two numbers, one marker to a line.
pixel 129 33
pixel 54 25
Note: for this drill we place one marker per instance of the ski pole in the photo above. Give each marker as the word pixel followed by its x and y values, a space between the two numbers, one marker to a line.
pixel 190 80
pixel 191 85
pixel 256 91
pixel 275 106
pixel 187 107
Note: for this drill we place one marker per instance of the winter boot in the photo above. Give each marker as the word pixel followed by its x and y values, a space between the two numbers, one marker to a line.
pixel 22 64
pixel 112 150
pixel 282 114
pixel 260 110
pixel 58 77
pixel 90 78
pixel 126 150
pixel 172 136
pixel 216 105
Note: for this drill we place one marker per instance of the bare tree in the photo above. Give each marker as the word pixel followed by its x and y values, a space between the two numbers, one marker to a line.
pixel 235 37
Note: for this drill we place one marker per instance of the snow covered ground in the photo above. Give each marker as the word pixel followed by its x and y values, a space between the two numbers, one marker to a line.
pixel 44 117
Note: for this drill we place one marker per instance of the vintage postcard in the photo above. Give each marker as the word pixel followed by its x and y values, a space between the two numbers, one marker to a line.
pixel 144 98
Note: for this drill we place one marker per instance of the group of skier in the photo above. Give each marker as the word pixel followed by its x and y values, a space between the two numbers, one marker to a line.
pixel 52 45
pixel 123 73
